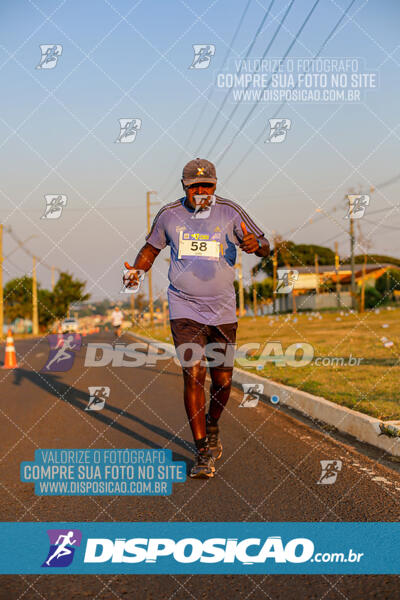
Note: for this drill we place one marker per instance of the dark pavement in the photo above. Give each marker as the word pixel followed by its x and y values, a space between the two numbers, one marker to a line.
pixel 268 472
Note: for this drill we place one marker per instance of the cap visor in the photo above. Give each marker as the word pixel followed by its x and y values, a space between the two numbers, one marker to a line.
pixel 199 180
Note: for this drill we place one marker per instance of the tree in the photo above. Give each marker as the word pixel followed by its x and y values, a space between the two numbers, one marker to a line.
pixel 291 254
pixel 387 283
pixel 372 297
pixel 18 298
pixel 51 305
pixel 263 291
pixel 67 291
pixel 377 259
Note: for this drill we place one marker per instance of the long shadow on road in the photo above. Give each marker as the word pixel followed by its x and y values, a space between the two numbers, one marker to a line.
pixel 53 384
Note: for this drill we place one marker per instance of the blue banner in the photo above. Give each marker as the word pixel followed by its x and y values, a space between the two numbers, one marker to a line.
pixel 214 548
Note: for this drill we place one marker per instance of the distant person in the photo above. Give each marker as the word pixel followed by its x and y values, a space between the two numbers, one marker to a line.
pixel 117 316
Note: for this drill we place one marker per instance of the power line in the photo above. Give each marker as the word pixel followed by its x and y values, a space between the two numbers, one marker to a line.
pixel 227 148
pixel 327 39
pixel 250 48
pixel 210 93
pixel 21 244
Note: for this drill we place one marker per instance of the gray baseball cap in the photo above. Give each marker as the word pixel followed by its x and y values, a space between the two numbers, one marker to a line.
pixel 199 170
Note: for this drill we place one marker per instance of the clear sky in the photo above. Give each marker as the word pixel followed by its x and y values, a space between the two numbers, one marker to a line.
pixel 120 59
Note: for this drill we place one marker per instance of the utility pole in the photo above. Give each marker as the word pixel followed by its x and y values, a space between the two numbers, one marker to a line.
pixel 1 283
pixel 274 268
pixel 337 266
pixel 149 273
pixel 165 313
pixel 52 279
pixel 362 307
pixel 35 318
pixel 316 273
pixel 352 243
pixel 133 307
pixel 240 274
pixel 254 294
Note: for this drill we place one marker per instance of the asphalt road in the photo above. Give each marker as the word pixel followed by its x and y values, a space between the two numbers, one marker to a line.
pixel 268 472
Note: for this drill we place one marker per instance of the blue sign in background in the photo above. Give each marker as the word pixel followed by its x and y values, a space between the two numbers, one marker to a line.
pixel 26 545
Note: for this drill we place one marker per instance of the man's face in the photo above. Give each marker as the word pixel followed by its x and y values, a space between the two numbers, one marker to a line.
pixel 198 189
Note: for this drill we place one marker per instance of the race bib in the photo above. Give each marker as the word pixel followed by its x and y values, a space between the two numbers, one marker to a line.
pixel 198 245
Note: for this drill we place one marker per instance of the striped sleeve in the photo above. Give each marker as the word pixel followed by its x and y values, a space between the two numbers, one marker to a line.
pixel 157 236
pixel 239 215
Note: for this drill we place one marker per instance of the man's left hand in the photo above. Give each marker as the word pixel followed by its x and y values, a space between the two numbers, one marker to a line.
pixel 249 242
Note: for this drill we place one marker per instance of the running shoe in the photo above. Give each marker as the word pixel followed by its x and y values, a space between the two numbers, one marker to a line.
pixel 204 464
pixel 214 443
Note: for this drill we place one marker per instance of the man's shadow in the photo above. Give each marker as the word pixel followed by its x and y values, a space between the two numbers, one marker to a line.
pixel 53 384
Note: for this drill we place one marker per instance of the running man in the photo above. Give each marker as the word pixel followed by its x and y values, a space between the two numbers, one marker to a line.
pixel 202 233
pixel 62 549
pixel 117 316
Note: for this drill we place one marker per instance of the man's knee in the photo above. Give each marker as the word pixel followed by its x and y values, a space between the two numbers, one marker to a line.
pixel 194 375
pixel 221 378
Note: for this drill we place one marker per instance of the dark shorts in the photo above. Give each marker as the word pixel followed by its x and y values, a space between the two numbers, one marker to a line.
pixel 212 344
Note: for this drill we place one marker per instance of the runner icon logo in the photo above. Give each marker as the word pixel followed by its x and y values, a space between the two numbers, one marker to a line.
pixel 50 55
pixel 62 352
pixel 202 56
pixel 357 205
pixel 278 129
pixel 252 393
pixel 286 280
pixel 98 395
pixel 62 547
pixel 329 471
pixel 54 206
pixel 128 130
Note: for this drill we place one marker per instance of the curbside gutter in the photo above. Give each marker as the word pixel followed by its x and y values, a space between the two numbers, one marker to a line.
pixel 373 431
pixel 364 428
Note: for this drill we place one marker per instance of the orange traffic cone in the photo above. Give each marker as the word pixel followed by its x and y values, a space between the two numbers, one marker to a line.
pixel 10 360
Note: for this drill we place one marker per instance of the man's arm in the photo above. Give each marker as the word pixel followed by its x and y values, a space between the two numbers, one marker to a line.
pixel 264 249
pixel 252 244
pixel 145 258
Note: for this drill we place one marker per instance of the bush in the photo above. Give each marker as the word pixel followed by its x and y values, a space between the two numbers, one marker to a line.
pixel 387 283
pixel 372 297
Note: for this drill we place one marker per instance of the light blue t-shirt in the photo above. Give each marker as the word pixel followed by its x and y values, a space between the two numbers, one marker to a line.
pixel 201 287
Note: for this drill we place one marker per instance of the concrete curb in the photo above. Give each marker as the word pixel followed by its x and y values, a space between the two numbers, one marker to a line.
pixel 363 427
pixel 382 435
